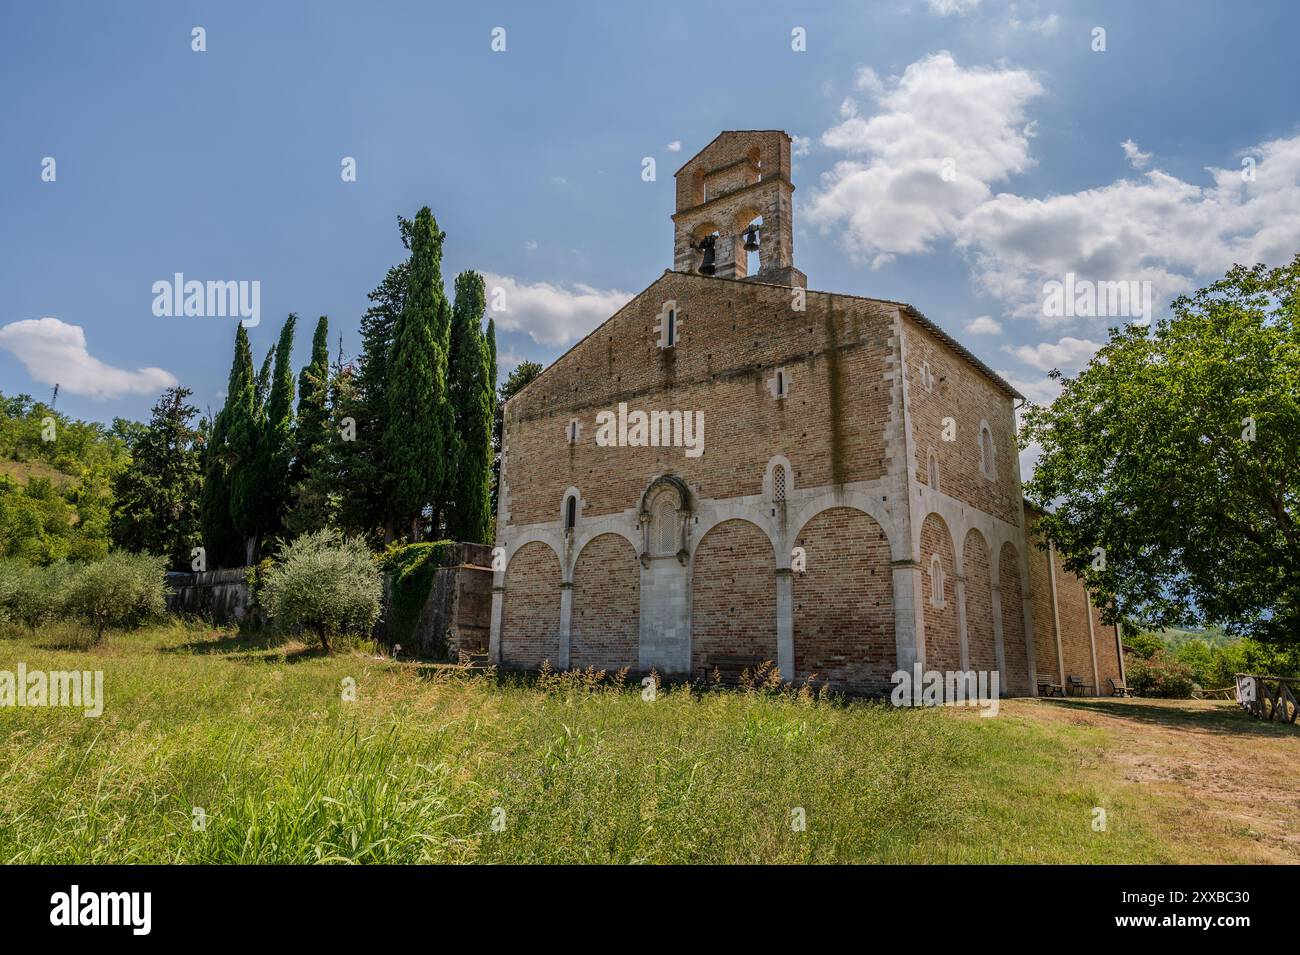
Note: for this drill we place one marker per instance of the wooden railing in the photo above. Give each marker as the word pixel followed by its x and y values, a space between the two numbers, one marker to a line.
pixel 1269 697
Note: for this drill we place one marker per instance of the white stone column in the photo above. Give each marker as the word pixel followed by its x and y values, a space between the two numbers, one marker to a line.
pixel 909 617
pixel 963 640
pixel 785 622
pixel 498 614
pixel 566 622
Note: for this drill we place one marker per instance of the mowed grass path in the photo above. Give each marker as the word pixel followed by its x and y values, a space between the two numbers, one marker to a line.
pixel 426 760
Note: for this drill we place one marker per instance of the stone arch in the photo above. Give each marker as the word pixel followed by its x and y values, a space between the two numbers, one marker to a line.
pixel 733 594
pixel 1015 649
pixel 855 500
pixel 604 626
pixel 977 570
pixel 663 514
pixel 942 640
pixel 843 602
pixel 530 624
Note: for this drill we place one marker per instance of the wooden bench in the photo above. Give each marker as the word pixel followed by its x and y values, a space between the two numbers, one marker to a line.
pixel 1078 687
pixel 1047 688
pixel 1118 689
pixel 730 667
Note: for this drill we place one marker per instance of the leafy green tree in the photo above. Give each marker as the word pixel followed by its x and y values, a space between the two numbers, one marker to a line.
pixel 469 381
pixel 156 499
pixel 419 435
pixel 520 377
pixel 1171 461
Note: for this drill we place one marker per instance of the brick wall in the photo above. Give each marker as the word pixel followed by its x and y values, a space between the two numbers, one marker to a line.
pixel 530 631
pixel 979 603
pixel 1014 648
pixel 733 595
pixel 960 391
pixel 942 643
pixel 843 605
pixel 1074 608
pixel 604 628
pixel 733 336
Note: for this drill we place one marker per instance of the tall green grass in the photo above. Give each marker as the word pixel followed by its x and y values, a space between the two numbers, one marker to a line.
pixel 215 750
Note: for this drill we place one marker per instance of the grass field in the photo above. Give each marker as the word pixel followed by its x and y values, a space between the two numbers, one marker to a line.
pixel 425 760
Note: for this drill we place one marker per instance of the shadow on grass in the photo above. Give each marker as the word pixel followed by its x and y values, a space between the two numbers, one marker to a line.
pixel 230 643
pixel 1226 718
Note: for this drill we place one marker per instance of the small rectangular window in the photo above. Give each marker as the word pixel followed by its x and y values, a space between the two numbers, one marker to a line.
pixel 672 327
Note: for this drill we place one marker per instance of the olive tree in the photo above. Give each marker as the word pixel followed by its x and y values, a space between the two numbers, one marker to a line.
pixel 122 590
pixel 326 584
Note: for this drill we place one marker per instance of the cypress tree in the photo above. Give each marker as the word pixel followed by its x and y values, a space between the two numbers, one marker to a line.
pixel 418 432
pixel 277 447
pixel 311 440
pixel 365 482
pixel 241 440
pixel 470 388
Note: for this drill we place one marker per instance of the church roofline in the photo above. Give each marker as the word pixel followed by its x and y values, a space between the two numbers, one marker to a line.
pixel 725 132
pixel 910 310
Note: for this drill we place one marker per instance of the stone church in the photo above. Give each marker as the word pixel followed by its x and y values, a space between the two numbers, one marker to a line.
pixel 734 468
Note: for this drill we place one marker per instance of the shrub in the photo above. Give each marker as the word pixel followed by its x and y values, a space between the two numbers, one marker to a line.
pixel 32 595
pixel 326 584
pixel 1159 675
pixel 412 568
pixel 122 590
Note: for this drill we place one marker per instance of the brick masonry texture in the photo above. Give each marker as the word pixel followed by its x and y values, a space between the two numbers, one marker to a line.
pixel 733 336
pixel 843 605
pixel 606 612
pixel 942 643
pixel 532 608
pixel 734 595
pixel 959 392
pixel 979 604
pixel 1073 609
pixel 1013 623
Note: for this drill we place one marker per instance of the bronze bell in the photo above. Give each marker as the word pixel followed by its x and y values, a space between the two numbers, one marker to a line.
pixel 706 246
pixel 751 239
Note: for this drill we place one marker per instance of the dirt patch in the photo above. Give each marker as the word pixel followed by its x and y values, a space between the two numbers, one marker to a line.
pixel 1230 784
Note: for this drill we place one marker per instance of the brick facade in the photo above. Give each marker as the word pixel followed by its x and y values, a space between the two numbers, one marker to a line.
pixel 805 527
pixel 606 615
pixel 843 603
pixel 733 595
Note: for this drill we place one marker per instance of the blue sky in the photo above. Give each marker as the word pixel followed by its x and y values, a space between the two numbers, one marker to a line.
pixel 225 164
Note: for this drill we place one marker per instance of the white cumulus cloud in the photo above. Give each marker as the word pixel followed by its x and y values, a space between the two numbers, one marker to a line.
pixel 1068 354
pixel 941 134
pixel 1136 157
pixel 984 325
pixel 54 352
pixel 551 314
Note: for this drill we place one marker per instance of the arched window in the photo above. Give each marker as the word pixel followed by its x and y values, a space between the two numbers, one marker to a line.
pixel 988 466
pixel 936 582
pixel 665 528
pixel 933 470
pixel 778 484
pixel 570 513
pixel 670 329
